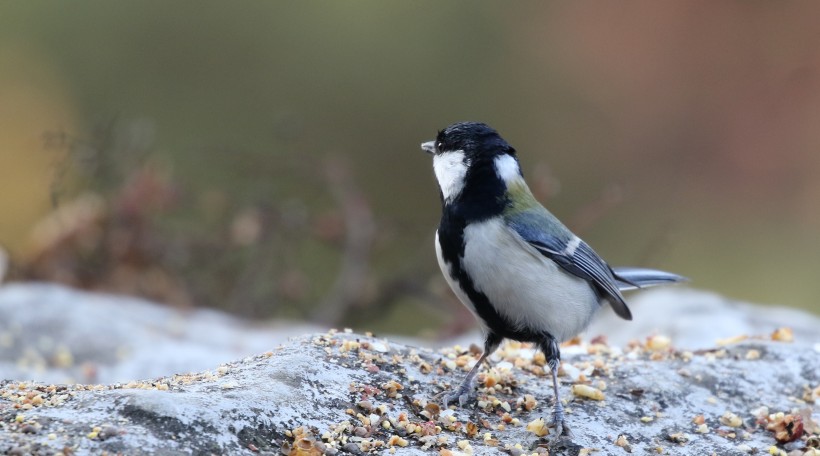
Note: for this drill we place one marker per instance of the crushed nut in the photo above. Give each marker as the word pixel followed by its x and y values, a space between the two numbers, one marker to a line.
pixel 783 335
pixel 730 419
pixel 538 427
pixel 658 342
pixel 622 442
pixel 753 354
pixel 786 427
pixel 588 392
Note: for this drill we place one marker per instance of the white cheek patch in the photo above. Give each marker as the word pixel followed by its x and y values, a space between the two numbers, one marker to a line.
pixel 507 168
pixel 451 170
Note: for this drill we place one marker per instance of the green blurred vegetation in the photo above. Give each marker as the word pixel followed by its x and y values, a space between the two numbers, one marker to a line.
pixel 682 136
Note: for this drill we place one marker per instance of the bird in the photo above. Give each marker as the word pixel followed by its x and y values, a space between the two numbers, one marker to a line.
pixel 520 271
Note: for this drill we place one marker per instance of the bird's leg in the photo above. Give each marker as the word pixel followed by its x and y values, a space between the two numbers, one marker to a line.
pixel 465 392
pixel 553 356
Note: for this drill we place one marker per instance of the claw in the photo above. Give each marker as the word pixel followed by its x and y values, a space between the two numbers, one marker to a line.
pixel 558 422
pixel 561 428
pixel 466 392
pixel 464 395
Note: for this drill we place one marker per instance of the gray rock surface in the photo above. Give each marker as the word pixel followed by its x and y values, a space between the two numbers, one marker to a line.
pixel 55 334
pixel 698 319
pixel 333 393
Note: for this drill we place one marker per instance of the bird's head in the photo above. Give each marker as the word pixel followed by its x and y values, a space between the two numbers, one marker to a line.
pixel 471 154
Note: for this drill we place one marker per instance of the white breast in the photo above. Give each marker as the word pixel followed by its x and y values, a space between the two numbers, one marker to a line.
pixel 530 290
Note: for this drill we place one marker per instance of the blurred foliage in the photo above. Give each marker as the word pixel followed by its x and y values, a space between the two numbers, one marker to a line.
pixel 263 157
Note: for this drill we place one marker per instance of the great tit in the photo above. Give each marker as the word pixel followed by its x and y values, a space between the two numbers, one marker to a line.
pixel 522 273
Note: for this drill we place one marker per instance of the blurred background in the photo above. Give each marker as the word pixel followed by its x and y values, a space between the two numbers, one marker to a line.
pixel 263 157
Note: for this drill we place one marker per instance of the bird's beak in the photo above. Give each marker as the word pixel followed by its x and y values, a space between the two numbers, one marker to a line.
pixel 429 147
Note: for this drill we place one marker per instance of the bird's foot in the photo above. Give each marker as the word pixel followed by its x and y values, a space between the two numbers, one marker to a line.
pixel 558 423
pixel 463 395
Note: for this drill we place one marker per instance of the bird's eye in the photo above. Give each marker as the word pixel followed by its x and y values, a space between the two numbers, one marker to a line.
pixel 439 145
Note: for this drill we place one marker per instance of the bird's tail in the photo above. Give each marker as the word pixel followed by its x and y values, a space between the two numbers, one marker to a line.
pixel 633 278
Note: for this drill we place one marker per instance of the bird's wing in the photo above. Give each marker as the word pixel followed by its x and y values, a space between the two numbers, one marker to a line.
pixel 551 239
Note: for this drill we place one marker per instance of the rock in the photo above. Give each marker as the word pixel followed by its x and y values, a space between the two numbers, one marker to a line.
pixel 698 319
pixel 318 395
pixel 56 334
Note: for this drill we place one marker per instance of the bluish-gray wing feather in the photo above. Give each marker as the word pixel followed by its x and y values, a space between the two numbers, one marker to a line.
pixel 556 242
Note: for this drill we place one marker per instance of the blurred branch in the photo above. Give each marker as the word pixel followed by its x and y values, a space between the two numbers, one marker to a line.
pixel 102 160
pixel 360 229
pixel 242 294
pixel 240 242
